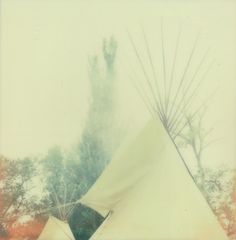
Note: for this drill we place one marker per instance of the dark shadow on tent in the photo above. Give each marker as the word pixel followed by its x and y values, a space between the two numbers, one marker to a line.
pixel 84 221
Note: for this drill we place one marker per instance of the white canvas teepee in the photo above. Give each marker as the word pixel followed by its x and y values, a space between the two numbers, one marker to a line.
pixel 149 194
pixel 56 230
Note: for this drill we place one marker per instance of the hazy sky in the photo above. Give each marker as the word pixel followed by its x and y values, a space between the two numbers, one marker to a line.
pixel 45 47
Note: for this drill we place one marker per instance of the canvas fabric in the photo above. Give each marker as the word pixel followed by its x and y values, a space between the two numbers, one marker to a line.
pixel 56 230
pixel 149 194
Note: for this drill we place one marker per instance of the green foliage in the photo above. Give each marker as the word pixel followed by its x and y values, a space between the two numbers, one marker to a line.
pixel 62 182
pixel 93 159
pixel 95 148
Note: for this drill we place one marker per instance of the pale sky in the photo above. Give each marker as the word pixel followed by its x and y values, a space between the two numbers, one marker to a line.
pixel 44 51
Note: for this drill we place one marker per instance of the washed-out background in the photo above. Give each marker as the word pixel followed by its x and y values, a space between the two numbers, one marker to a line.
pixel 53 58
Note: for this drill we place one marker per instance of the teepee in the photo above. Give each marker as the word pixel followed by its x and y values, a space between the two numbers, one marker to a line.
pixel 56 230
pixel 147 193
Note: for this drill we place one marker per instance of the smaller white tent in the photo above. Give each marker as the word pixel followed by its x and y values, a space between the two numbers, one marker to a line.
pixel 56 230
